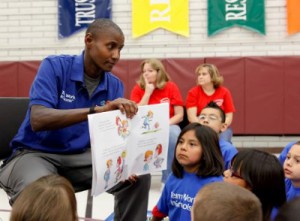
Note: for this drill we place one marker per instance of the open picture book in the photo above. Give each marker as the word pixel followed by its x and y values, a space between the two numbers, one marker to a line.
pixel 121 146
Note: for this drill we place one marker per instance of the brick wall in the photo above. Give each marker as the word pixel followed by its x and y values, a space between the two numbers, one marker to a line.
pixel 28 31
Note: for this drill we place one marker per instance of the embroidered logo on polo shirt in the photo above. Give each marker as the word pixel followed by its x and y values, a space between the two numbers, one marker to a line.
pixel 102 103
pixel 67 97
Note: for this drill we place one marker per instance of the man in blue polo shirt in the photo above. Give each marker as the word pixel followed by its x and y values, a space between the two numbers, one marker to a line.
pixel 54 136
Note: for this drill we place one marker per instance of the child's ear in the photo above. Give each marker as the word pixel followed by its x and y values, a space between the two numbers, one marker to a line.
pixel 223 127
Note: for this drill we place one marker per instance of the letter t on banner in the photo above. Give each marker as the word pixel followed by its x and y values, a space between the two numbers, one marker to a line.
pixel 75 15
pixel 148 15
pixel 293 16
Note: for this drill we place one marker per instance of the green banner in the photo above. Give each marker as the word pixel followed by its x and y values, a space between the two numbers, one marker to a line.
pixel 223 14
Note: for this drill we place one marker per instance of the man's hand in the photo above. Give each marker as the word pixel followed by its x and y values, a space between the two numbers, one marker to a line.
pixel 126 106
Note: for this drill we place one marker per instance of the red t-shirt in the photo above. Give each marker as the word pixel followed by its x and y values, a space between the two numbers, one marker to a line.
pixel 170 93
pixel 197 98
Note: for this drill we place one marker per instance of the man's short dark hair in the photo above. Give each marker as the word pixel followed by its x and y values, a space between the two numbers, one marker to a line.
pixel 102 25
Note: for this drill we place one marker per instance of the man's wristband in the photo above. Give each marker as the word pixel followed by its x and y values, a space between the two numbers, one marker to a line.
pixel 92 109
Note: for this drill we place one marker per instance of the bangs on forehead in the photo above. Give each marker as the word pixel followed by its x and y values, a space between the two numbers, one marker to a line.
pixel 241 160
pixel 248 161
pixel 236 162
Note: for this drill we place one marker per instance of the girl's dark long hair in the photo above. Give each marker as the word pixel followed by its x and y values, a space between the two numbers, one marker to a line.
pixel 264 174
pixel 211 162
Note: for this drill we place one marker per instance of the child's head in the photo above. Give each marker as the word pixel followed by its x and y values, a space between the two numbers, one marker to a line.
pixel 197 151
pixel 150 113
pixel 213 116
pixel 262 173
pixel 49 198
pixel 291 164
pixel 154 71
pixel 230 201
pixel 123 154
pixel 208 73
pixel 148 155
pixel 109 163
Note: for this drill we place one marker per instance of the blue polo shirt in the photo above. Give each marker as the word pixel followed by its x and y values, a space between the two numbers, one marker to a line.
pixel 59 84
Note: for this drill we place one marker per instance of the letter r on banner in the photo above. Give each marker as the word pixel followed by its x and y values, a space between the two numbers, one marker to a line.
pixel 148 15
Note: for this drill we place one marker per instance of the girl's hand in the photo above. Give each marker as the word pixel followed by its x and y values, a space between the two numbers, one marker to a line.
pixel 149 87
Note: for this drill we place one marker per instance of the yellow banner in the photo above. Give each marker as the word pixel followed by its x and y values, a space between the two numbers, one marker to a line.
pixel 293 16
pixel 148 15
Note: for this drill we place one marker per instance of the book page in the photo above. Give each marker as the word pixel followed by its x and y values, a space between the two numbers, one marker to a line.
pixel 121 147
pixel 148 144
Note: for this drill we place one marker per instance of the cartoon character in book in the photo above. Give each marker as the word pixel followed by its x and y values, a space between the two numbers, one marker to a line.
pixel 158 160
pixel 122 127
pixel 107 172
pixel 119 169
pixel 147 159
pixel 123 155
pixel 147 120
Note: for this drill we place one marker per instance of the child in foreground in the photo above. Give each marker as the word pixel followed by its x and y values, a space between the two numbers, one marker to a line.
pixel 197 162
pixel 221 201
pixel 49 198
pixel 262 174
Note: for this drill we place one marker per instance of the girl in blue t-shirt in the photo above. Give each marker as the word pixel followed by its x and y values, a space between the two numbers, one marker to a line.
pixel 197 162
pixel 291 168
